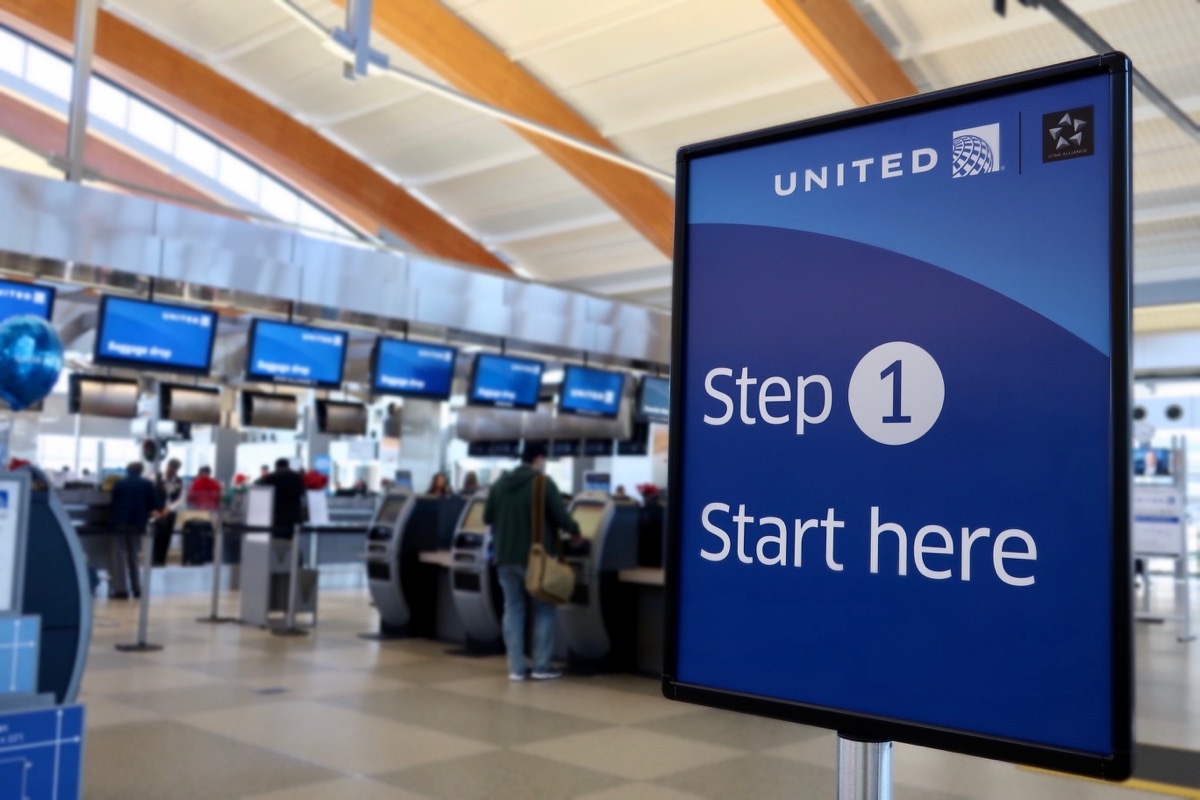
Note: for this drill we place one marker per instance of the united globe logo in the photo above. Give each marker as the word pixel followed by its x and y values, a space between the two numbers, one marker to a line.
pixel 976 151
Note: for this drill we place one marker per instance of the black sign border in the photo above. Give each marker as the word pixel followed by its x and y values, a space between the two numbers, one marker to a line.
pixel 1115 766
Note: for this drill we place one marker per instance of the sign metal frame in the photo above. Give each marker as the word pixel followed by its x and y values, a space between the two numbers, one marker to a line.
pixel 867 727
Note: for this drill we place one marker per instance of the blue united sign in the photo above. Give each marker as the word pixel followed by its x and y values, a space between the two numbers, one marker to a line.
pixel 900 391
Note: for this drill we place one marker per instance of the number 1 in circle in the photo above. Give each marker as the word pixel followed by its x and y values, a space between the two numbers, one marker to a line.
pixel 894 371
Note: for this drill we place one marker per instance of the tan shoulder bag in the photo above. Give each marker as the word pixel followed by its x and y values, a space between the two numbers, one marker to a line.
pixel 547 577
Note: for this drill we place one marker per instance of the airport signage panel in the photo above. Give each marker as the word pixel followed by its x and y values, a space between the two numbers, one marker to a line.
pixel 505 382
pixel 591 392
pixel 163 336
pixel 41 753
pixel 900 393
pixel 286 353
pixel 413 369
pixel 18 298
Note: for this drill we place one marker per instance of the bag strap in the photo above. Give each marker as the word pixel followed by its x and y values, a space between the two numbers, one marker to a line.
pixel 539 508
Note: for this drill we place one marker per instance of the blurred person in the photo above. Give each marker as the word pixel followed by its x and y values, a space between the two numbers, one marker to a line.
pixel 288 509
pixel 509 512
pixel 134 502
pixel 204 492
pixel 170 489
pixel 470 484
pixel 439 486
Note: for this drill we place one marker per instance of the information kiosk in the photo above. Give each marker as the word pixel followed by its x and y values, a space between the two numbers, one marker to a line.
pixel 594 616
pixel 474 587
pixel 404 589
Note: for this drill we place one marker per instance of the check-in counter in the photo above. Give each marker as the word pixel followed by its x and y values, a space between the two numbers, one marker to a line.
pixel 405 589
pixel 597 620
pixel 474 587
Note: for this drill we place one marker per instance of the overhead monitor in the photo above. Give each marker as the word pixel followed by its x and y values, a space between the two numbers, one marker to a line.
pixel 412 369
pixel 96 396
pixel 654 400
pixel 593 392
pixel 183 403
pixel 286 353
pixel 505 382
pixel 141 334
pixel 261 410
pixel 17 298
pixel 341 418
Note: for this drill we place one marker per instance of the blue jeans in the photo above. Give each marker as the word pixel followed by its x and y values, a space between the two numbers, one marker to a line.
pixel 512 584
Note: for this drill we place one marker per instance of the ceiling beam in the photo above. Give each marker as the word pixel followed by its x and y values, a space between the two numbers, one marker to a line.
pixel 434 35
pixel 839 39
pixel 249 125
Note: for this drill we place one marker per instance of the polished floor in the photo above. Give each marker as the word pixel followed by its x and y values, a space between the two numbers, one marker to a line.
pixel 226 711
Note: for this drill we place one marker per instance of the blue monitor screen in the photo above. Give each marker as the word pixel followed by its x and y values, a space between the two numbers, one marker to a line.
pixel 287 353
pixel 505 382
pixel 18 298
pixel 138 333
pixel 654 400
pixel 593 392
pixel 413 368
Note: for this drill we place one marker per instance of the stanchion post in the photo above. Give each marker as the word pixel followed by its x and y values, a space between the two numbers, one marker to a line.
pixel 289 625
pixel 141 645
pixel 864 770
pixel 218 561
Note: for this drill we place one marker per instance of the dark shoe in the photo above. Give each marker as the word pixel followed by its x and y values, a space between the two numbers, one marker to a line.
pixel 119 596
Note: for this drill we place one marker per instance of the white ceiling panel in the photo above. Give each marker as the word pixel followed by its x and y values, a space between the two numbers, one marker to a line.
pixel 525 186
pixel 211 26
pixel 600 250
pixel 653 75
pixel 654 35
pixel 724 73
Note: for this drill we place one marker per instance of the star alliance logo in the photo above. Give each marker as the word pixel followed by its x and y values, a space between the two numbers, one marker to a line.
pixel 1068 134
pixel 976 151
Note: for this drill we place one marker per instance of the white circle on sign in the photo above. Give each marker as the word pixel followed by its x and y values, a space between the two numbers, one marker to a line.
pixel 896 393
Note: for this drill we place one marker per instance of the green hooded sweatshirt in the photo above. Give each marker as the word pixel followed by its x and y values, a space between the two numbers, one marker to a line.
pixel 509 511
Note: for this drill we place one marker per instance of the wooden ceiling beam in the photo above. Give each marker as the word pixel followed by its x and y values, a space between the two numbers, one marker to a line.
pixel 434 35
pixel 251 126
pixel 846 47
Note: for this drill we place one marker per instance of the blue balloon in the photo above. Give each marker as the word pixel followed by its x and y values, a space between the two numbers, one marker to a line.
pixel 31 358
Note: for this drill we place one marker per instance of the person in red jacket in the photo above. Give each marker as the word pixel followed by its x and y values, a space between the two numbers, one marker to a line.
pixel 204 493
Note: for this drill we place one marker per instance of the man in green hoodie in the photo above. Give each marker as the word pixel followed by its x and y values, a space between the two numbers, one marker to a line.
pixel 509 512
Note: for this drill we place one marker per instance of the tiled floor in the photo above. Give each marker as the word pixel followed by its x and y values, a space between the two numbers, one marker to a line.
pixel 226 711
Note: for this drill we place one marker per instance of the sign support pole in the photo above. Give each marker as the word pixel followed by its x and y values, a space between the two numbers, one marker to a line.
pixel 141 646
pixel 217 562
pixel 864 769
pixel 289 624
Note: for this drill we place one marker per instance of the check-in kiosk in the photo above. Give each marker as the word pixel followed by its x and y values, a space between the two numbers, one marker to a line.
pixel 404 589
pixel 474 587
pixel 597 622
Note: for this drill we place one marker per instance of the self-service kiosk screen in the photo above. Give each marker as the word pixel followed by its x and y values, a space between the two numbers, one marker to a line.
pixel 474 521
pixel 588 516
pixel 391 509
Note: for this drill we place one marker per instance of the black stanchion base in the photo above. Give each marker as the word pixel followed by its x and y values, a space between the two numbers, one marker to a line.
pixel 217 620
pixel 139 647
pixel 288 631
